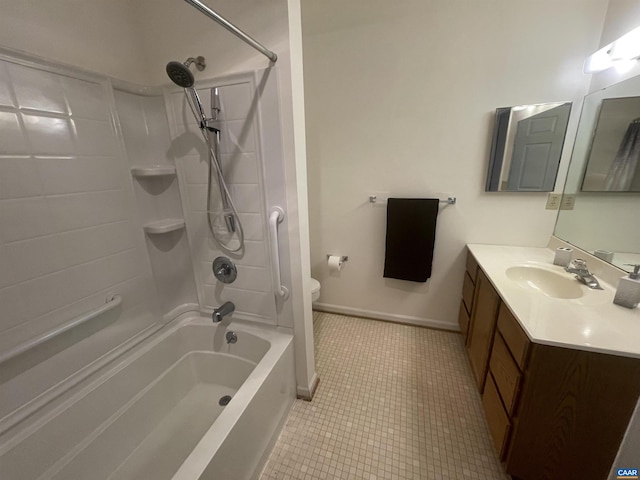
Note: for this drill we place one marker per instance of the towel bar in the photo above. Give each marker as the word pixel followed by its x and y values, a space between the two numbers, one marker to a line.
pixel 449 200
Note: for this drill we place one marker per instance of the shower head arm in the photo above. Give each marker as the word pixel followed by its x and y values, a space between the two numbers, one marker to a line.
pixel 199 61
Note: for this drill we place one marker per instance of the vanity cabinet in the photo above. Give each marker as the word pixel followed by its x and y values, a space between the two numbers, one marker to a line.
pixel 468 289
pixel 482 326
pixel 553 412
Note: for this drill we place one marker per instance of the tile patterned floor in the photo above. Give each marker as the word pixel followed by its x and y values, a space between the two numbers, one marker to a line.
pixel 394 402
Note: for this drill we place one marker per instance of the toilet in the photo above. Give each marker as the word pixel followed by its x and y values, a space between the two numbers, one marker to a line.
pixel 315 290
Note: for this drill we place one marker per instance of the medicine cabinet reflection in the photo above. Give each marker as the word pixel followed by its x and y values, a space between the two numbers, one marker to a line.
pixel 526 147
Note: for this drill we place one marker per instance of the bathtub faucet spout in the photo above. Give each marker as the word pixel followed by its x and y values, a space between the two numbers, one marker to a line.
pixel 227 308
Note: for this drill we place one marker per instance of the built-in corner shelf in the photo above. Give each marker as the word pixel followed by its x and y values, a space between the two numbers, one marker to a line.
pixel 154 171
pixel 165 225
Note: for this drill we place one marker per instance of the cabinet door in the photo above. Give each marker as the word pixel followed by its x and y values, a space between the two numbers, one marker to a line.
pixel 497 418
pixel 463 321
pixel 574 410
pixel 483 324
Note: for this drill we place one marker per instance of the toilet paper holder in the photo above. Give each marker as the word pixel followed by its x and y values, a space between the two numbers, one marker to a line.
pixel 342 259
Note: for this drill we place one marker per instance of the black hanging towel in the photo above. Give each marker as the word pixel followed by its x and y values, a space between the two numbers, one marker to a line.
pixel 411 234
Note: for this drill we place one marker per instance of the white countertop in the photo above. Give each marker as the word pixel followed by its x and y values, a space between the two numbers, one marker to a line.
pixel 591 322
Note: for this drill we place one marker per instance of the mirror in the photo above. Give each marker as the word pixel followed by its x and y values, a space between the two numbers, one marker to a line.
pixel 526 147
pixel 615 149
pixel 602 222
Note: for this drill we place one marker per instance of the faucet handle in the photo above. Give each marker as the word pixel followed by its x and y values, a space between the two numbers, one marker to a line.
pixel 580 263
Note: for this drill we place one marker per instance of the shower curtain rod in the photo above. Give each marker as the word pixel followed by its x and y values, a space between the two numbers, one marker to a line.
pixel 233 29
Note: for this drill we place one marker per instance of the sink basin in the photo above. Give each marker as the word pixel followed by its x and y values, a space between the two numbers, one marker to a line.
pixel 547 282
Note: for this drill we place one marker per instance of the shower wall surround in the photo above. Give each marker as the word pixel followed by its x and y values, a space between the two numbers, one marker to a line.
pixel 244 161
pixel 137 38
pixel 69 236
pixel 145 130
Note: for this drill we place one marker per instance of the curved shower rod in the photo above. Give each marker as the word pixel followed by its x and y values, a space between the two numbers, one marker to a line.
pixel 233 29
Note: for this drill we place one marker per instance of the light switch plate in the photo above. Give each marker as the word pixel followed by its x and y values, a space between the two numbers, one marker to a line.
pixel 567 202
pixel 553 201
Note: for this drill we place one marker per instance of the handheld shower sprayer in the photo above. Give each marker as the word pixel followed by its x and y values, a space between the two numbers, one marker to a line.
pixel 181 75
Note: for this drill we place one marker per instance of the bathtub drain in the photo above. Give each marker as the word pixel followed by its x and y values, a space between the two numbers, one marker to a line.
pixel 224 400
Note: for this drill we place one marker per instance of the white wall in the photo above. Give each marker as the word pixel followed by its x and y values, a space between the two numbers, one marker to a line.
pixel 174 30
pixel 400 98
pixel 100 35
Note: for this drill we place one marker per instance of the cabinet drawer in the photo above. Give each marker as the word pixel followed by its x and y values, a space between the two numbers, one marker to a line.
pixel 467 292
pixel 463 321
pixel 513 335
pixel 497 418
pixel 472 267
pixel 506 373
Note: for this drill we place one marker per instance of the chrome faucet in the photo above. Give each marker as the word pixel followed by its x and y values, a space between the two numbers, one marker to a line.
pixel 227 308
pixel 579 268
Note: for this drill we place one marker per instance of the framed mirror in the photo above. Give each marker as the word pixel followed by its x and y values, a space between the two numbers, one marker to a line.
pixel 526 147
pixel 603 222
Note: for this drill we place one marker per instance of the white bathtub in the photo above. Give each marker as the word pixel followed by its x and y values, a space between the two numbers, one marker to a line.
pixel 156 414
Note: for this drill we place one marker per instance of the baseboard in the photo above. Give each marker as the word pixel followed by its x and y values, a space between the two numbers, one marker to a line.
pixel 307 392
pixel 389 317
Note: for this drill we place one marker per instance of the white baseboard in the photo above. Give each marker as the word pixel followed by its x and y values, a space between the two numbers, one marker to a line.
pixel 406 319
pixel 305 392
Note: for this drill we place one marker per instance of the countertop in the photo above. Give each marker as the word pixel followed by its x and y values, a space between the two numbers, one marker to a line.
pixel 592 322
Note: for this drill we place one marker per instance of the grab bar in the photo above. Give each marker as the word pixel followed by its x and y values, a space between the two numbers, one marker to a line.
pixel 275 217
pixel 112 302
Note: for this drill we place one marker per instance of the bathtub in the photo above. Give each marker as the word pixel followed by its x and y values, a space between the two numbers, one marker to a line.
pixel 157 413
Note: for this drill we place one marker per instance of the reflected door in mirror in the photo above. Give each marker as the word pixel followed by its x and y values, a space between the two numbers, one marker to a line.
pixel 527 146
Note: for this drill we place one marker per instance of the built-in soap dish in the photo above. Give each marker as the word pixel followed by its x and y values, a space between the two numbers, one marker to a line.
pixel 166 225
pixel 153 171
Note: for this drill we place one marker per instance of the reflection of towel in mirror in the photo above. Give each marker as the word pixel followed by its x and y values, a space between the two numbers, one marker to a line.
pixel 625 164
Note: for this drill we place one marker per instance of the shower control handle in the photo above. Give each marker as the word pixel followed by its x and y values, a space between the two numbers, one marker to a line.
pixel 224 270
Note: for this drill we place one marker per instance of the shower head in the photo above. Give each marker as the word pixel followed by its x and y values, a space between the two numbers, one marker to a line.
pixel 180 74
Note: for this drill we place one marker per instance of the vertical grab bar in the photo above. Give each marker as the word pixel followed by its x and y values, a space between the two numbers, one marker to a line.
pixel 275 217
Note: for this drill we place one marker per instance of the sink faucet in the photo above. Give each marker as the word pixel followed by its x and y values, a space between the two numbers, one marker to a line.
pixel 227 308
pixel 579 268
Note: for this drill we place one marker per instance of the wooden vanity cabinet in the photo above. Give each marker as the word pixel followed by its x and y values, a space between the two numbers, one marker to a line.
pixel 553 412
pixel 502 391
pixel 481 327
pixel 468 289
pixel 574 410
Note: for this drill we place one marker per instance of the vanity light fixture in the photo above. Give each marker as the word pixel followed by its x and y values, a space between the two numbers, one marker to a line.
pixel 621 54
